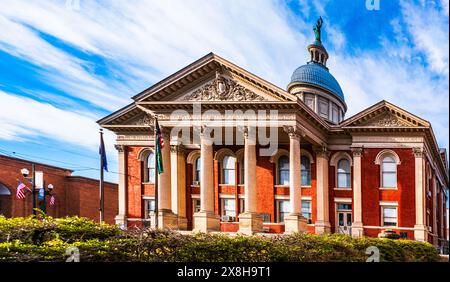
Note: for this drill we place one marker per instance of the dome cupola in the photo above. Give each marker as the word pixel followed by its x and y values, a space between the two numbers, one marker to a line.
pixel 316 86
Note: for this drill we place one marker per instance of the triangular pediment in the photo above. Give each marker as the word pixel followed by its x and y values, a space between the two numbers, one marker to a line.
pixel 384 115
pixel 213 78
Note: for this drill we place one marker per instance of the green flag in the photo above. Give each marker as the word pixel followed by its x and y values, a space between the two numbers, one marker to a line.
pixel 159 145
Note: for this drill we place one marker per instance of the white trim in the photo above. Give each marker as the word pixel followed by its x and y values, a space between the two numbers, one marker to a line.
pixel 384 152
pixel 340 155
pixel 304 152
pixel 388 203
pixel 343 189
pixel 343 200
pixel 227 196
pixel 192 157
pixel 281 197
pixel 195 196
pixel 385 227
pixel 148 197
pixel 307 198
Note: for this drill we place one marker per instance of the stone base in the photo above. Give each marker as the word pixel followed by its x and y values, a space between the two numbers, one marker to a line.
pixel 322 227
pixel 206 222
pixel 182 223
pixel 295 223
pixel 250 223
pixel 357 230
pixel 420 233
pixel 121 221
pixel 167 220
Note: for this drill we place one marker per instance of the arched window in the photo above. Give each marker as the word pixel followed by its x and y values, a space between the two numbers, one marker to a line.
pixel 343 174
pixel 228 170
pixel 283 170
pixel 151 168
pixel 388 172
pixel 306 171
pixel 198 167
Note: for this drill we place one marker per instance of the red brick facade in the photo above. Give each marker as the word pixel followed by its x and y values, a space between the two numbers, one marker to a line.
pixel 74 195
pixel 268 191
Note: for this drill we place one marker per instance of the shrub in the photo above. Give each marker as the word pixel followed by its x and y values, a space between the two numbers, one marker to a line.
pixel 28 239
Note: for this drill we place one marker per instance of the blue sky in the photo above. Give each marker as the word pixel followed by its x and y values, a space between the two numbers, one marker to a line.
pixel 63 67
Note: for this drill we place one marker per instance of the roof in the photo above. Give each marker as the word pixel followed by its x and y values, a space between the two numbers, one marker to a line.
pixel 317 75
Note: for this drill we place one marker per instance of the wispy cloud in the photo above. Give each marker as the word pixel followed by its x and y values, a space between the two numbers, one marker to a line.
pixel 142 42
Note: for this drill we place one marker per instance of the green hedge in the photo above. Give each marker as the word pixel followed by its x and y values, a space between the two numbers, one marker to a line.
pixel 27 239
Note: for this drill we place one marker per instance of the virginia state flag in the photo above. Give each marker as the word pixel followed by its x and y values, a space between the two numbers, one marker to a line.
pixel 102 153
pixel 159 144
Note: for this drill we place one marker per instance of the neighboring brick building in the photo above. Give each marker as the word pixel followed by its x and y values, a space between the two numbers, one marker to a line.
pixel 75 195
pixel 379 169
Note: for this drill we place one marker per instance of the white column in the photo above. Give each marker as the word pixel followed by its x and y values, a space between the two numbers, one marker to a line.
pixel 250 222
pixel 206 220
pixel 178 181
pixel 166 218
pixel 420 233
pixel 294 222
pixel 322 224
pixel 357 225
pixel 121 218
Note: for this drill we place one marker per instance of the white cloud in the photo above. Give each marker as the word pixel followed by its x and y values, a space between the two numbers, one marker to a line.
pixel 145 41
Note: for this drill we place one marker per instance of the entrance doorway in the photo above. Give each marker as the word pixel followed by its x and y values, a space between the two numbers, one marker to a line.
pixel 344 219
pixel 5 201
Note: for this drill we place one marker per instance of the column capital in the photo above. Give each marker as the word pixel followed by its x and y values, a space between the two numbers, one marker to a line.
pixel 322 152
pixel 294 131
pixel 418 152
pixel 357 151
pixel 180 149
pixel 119 148
pixel 249 133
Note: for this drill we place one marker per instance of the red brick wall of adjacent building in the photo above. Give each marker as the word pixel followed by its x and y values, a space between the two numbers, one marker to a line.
pixel 74 195
pixel 372 195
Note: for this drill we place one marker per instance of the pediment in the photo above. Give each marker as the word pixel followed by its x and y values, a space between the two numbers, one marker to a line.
pixel 384 115
pixel 225 89
pixel 213 78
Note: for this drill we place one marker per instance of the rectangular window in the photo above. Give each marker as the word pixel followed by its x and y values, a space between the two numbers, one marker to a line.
pixel 228 176
pixel 196 205
pixel 228 210
pixel 306 210
pixel 149 207
pixel 335 114
pixel 323 108
pixel 283 209
pixel 309 101
pixel 389 216
pixel 344 207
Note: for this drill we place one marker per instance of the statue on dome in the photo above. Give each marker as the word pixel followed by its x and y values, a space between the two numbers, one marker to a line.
pixel 317 28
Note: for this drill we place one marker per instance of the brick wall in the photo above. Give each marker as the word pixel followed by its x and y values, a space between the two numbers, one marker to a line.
pixel 74 195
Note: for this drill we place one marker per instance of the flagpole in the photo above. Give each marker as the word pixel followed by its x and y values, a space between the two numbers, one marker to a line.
pixel 155 123
pixel 102 190
pixel 33 186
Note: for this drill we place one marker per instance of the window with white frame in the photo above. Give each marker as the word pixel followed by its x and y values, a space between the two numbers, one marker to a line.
pixel 241 205
pixel 228 171
pixel 196 205
pixel 388 172
pixel 150 166
pixel 283 170
pixel 306 171
pixel 389 216
pixel 307 210
pixel 343 174
pixel 197 170
pixel 228 209
pixel 283 209
pixel 149 207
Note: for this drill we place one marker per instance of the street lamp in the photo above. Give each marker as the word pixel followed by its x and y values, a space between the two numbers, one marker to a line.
pixel 25 172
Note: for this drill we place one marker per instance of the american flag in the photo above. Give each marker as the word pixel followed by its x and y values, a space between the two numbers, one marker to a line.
pixel 52 200
pixel 20 194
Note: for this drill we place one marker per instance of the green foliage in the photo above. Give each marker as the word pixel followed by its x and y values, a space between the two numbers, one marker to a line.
pixel 28 239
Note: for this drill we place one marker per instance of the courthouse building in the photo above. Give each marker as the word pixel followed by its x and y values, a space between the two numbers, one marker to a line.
pixel 380 169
